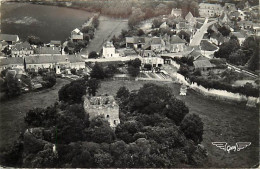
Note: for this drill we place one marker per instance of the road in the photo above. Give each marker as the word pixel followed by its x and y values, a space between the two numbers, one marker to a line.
pixel 108 27
pixel 200 33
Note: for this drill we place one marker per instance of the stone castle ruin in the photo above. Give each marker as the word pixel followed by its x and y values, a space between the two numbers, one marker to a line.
pixel 103 105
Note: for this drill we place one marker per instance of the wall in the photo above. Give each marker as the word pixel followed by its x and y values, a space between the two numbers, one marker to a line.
pixel 218 94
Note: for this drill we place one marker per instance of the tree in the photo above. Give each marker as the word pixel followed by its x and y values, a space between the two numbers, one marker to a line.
pixel 122 93
pixel 192 126
pixel 93 54
pixel 7 51
pixel 227 48
pixel 175 110
pixel 238 58
pixel 156 23
pixel 224 31
pixel 140 32
pixel 34 40
pixel 50 80
pixel 184 35
pixel 73 92
pixel 13 85
pixel 97 72
pixel 110 70
pixel 93 86
pixel 134 67
pixel 95 22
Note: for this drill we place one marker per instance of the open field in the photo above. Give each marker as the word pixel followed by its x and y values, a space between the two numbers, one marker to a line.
pixel 107 28
pixel 13 111
pixel 223 122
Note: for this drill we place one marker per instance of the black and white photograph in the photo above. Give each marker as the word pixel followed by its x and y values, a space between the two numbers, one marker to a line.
pixel 129 83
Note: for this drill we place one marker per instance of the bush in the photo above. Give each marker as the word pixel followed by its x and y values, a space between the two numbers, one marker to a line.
pixel 192 126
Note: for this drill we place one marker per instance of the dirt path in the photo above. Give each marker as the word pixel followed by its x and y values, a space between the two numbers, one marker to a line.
pixel 13 111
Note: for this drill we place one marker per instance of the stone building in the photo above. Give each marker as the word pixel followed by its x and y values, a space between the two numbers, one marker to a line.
pixel 103 105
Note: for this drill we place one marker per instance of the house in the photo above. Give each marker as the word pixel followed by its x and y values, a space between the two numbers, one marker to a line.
pixel 157 44
pixel 241 38
pixel 190 19
pixel 58 62
pixel 13 62
pixel 176 44
pixel 207 48
pixel 246 25
pixel 202 64
pixel 10 39
pixel 164 25
pixel 22 49
pixel 230 7
pixel 102 105
pixel 210 10
pixel 44 51
pixel 176 12
pixel 217 38
pixel 147 53
pixel 109 51
pixel 136 42
pixel 76 35
pixel 224 18
pixel 154 61
pixel 55 43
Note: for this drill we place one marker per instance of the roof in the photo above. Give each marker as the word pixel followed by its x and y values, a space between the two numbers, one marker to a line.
pixel 135 39
pixel 8 37
pixel 23 45
pixel 217 36
pixel 12 60
pixel 202 64
pixel 156 40
pixel 55 42
pixel 189 16
pixel 47 50
pixel 53 59
pixel 238 35
pixel 176 39
pixel 108 44
pixel 195 54
pixel 207 46
pixel 76 30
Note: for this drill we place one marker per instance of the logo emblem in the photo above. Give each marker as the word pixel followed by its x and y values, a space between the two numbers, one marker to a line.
pixel 224 146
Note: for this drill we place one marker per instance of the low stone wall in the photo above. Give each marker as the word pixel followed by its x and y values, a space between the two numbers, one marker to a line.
pixel 218 94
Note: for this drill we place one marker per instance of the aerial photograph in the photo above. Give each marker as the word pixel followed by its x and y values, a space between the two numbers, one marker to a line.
pixel 129 83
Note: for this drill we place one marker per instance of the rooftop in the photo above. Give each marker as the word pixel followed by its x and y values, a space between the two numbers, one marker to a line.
pixel 176 39
pixel 53 59
pixel 207 46
pixel 47 50
pixel 12 60
pixel 22 45
pixel 202 64
pixel 8 37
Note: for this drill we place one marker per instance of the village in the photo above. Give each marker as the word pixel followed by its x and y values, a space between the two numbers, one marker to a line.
pixel 212 54
pixel 163 45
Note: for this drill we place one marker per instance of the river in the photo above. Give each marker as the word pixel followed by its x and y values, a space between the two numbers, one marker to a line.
pixel 46 22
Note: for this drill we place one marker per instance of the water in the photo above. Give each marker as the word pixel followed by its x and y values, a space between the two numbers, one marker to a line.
pixel 46 22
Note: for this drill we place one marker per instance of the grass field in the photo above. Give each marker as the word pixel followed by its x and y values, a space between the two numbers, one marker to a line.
pixel 223 122
pixel 107 28
pixel 13 111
